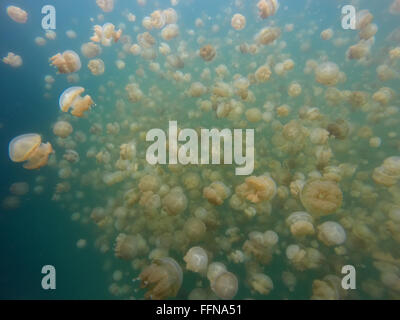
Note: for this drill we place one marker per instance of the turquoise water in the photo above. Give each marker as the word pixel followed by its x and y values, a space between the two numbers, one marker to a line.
pixel 43 226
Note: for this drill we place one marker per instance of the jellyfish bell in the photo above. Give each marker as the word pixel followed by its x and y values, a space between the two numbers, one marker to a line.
pixel 331 233
pixel 40 157
pixel 13 60
pixel 62 129
pixel 22 147
pixel 71 98
pixel 238 22
pixel 267 8
pixel 163 279
pixel 17 14
pixel 196 260
pixel 225 286
pixel 66 62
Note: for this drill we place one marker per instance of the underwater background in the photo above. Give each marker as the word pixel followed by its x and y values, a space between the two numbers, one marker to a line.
pixel 40 231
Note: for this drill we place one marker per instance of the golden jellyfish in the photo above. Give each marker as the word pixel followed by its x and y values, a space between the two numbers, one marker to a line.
pixel 40 157
pixel 338 129
pixel 105 34
pixel 267 8
pixel 170 15
pixel 175 202
pixel 51 35
pixel 207 52
pixel 238 21
pixel 157 19
pixel 300 223
pixel 163 279
pixel 261 283
pixel 66 62
pixel 331 233
pixel 40 41
pixel 62 129
pixel 263 74
pixel 71 34
pixel 195 229
pixel 197 89
pixel 358 51
pixel 395 7
pixel 17 14
pixel 368 31
pixel 196 260
pixel 13 60
pixel 170 32
pixel 96 67
pixel 257 189
pixel 22 147
pixel 294 89
pixel 105 5
pixel 268 35
pixel 128 247
pixel 329 288
pixel 321 197
pixel 225 286
pixel 71 98
pixel 253 115
pixel 327 34
pixel 90 50
pixel 216 193
pixel 327 73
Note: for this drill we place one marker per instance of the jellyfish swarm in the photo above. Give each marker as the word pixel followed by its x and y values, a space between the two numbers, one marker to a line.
pixel 71 98
pixel 29 148
pixel 66 62
pixel 17 14
pixel 163 279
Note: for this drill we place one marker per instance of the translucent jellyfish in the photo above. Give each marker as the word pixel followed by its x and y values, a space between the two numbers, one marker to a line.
pixel 195 229
pixel 197 89
pixel 105 34
pixel 90 50
pixel 327 73
pixel 163 279
pixel 170 15
pixel 71 156
pixel 62 129
pixel 66 62
pixel 13 60
pixel 238 21
pixel 134 92
pixel 40 41
pixel 263 74
pixel 329 288
pixel 368 31
pixel 106 5
pixel 395 7
pixel 51 35
pixel 216 193
pixel 170 32
pixel 339 129
pixel 71 98
pixel 22 147
pixel 17 14
pixel 158 19
pixel 294 89
pixel 268 35
pixel 253 115
pixel 71 34
pixel 10 203
pixel 358 51
pixel 327 34
pixel 267 8
pixel 196 260
pixel 331 233
pixel 225 286
pixel 175 202
pixel 19 188
pixel 128 247
pixel 321 197
pixel 300 223
pixel 257 189
pixel 363 18
pixel 261 283
pixel 207 52
pixel 96 67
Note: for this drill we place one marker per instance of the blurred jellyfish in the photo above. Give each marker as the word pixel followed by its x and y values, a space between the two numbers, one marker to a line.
pixel 225 285
pixel 238 22
pixel 71 34
pixel 51 35
pixel 331 233
pixel 62 129
pixel 11 203
pixel 169 32
pixel 17 14
pixel 71 98
pixel 327 34
pixel 40 41
pixel 207 52
pixel 66 62
pixel 395 7
pixel 163 279
pixel 96 67
pixel 268 35
pixel 106 5
pixel 267 8
pixel 257 189
pixel 71 156
pixel 196 260
pixel 90 50
pixel 13 60
pixel 19 188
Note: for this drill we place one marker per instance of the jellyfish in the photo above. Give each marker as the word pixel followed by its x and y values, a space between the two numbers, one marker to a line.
pixel 267 8
pixel 238 21
pixel 195 229
pixel 105 34
pixel 207 52
pixel 19 188
pixel 128 247
pixel 106 5
pixel 257 189
pixel 13 60
pixel 321 197
pixel 66 62
pixel 40 157
pixel 170 32
pixel 158 19
pixel 71 34
pixel 327 73
pixel 395 7
pixel 225 286
pixel 268 35
pixel 197 89
pixel 261 283
pixel 329 288
pixel 327 34
pixel 51 35
pixel 196 260
pixel 175 202
pixel 71 156
pixel 40 41
pixel 216 193
pixel 170 15
pixel 163 279
pixel 300 223
pixel 253 115
pixel 62 129
pixel 263 74
pixel 71 98
pixel 90 50
pixel 17 14
pixel 96 67
pixel 22 147
pixel 331 233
